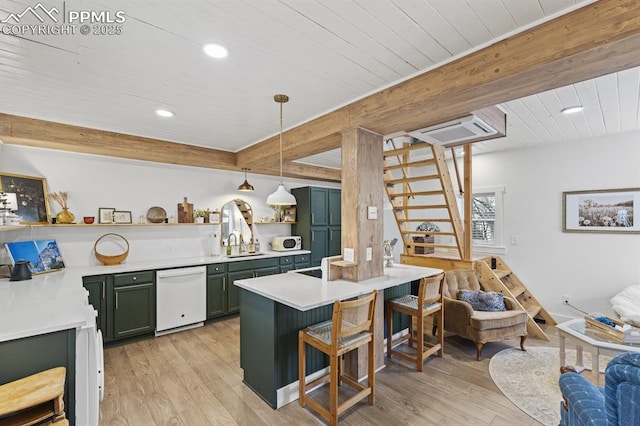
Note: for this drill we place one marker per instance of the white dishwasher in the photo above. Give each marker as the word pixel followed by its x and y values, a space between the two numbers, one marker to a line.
pixel 181 299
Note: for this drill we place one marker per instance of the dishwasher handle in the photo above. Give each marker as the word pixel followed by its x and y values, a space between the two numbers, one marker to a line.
pixel 183 272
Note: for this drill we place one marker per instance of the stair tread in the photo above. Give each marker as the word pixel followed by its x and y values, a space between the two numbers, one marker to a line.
pixel 533 309
pixel 517 291
pixel 501 273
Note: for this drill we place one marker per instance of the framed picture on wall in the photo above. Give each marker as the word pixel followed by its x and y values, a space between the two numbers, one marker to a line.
pixel 290 214
pixel 121 216
pixel 603 210
pixel 105 214
pixel 30 195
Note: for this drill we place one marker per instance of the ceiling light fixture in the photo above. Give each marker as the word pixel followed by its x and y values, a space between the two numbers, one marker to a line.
pixel 245 186
pixel 572 109
pixel 164 113
pixel 281 197
pixel 215 51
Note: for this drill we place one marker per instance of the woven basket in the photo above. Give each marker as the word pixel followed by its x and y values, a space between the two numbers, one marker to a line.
pixel 111 259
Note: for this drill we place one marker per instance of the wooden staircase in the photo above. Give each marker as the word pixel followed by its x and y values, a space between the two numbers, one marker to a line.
pixel 419 188
pixel 425 196
pixel 503 280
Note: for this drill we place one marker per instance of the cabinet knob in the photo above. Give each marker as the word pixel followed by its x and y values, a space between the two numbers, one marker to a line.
pixel 134 278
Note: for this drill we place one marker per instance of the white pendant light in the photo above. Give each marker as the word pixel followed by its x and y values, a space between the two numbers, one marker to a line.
pixel 281 197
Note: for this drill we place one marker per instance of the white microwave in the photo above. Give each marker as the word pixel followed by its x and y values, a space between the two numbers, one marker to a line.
pixel 286 243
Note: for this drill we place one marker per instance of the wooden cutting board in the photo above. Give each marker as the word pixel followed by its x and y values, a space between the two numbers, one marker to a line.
pixel 185 212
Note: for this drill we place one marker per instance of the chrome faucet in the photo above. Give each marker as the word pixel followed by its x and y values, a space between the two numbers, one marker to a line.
pixel 229 247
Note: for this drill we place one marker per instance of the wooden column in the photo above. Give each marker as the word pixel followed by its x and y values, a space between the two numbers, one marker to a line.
pixel 362 180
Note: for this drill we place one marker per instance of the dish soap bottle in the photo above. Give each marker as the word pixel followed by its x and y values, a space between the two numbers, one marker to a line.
pixel 257 246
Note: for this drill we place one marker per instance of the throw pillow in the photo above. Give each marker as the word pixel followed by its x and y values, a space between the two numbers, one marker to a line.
pixel 483 300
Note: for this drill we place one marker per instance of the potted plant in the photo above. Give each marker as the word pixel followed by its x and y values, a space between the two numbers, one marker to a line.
pixel 200 215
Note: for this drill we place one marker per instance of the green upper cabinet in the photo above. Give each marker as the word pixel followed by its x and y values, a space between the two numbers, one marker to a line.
pixel 319 206
pixel 335 207
pixel 319 212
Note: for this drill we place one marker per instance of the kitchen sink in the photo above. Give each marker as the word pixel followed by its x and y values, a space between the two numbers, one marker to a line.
pixel 231 256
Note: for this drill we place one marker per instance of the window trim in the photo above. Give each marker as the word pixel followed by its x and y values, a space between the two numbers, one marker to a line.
pixel 498 245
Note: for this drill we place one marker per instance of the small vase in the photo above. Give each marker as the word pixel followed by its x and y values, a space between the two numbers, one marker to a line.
pixel 65 216
pixel 199 219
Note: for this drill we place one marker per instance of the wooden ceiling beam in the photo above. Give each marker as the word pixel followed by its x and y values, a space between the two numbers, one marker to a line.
pixel 47 134
pixel 302 171
pixel 598 39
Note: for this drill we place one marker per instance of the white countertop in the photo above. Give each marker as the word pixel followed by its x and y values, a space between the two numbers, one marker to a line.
pixel 303 292
pixel 57 300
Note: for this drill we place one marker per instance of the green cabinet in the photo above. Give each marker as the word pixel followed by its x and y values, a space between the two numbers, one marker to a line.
pixel 243 270
pixel 233 293
pixel 335 207
pixel 216 290
pixel 134 304
pixel 216 295
pixel 319 216
pixel 29 355
pixel 335 241
pixel 302 261
pixel 318 206
pixel 319 244
pixel 97 286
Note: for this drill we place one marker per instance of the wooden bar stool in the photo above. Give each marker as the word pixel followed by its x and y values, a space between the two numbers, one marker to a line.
pixel 351 326
pixel 429 302
pixel 34 399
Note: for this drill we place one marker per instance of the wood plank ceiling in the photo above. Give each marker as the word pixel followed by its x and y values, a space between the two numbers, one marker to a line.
pixel 323 54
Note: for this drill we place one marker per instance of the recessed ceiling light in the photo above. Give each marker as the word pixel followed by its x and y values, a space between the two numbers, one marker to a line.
pixel 164 113
pixel 215 50
pixel 571 109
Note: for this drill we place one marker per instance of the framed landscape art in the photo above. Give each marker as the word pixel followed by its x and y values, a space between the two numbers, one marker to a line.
pixel 604 210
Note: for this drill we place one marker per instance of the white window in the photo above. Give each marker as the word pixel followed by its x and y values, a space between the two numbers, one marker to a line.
pixel 486 219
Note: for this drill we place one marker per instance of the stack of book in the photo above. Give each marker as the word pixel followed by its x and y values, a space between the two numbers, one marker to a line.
pixel 611 329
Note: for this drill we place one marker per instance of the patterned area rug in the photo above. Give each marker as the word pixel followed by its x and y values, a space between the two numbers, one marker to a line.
pixel 530 379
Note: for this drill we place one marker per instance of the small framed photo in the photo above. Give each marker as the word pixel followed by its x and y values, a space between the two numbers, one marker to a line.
pixel 613 211
pixel 214 217
pixel 105 215
pixel 290 214
pixel 121 216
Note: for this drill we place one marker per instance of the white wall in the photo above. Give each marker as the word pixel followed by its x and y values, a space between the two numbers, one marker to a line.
pixel 590 268
pixel 94 181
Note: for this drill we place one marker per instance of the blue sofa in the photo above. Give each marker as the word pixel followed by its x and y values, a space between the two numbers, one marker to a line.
pixel 618 403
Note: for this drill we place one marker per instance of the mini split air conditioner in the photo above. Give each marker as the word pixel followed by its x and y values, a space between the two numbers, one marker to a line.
pixel 455 131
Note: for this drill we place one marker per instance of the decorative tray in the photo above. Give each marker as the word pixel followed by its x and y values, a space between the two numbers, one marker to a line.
pixel 156 214
pixel 612 329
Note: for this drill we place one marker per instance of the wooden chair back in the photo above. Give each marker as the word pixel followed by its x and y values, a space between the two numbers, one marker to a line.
pixel 431 290
pixel 352 317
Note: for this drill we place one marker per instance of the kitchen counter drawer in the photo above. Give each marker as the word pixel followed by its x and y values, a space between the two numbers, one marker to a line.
pixel 286 260
pixel 302 258
pixel 133 278
pixel 253 264
pixel 217 268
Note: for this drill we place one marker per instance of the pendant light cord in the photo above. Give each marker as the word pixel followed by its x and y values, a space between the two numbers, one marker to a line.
pixel 281 143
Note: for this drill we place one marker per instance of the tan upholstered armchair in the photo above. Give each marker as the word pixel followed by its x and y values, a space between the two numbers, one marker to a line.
pixel 479 326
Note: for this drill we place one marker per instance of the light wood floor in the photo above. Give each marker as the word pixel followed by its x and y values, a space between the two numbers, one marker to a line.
pixel 194 378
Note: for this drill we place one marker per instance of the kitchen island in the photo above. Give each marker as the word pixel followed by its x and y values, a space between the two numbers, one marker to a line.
pixel 274 308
